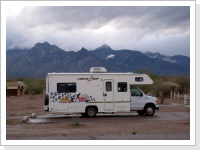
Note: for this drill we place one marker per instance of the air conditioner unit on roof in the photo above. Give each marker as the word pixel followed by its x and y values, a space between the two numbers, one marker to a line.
pixel 98 70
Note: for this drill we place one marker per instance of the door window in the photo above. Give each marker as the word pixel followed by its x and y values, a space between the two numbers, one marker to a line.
pixel 108 86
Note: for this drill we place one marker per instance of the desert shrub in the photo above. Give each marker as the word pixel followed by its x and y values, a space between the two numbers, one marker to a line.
pixel 160 90
pixel 35 86
pixel 11 80
pixel 183 82
pixel 134 132
pixel 76 124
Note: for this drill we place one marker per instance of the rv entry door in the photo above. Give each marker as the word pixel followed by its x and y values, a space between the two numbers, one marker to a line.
pixel 108 94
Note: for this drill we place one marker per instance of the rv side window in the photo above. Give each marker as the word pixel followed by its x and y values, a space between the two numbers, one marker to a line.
pixel 108 86
pixel 122 87
pixel 66 87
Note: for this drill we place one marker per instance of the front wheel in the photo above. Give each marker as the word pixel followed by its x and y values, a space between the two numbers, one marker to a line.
pixel 149 110
pixel 83 114
pixel 91 111
pixel 140 112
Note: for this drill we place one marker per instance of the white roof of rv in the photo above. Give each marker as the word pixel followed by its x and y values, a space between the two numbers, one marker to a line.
pixel 62 73
pixel 93 73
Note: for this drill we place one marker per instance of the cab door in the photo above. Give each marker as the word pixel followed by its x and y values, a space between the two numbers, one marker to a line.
pixel 108 94
pixel 137 99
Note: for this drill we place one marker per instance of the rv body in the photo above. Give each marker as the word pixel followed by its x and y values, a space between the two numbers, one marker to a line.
pixel 98 92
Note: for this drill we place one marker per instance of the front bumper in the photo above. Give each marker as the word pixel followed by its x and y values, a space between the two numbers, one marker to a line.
pixel 157 107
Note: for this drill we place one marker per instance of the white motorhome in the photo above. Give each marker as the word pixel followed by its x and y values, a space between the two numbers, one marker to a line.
pixel 98 92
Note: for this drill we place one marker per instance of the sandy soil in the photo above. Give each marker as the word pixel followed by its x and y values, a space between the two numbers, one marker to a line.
pixel 18 107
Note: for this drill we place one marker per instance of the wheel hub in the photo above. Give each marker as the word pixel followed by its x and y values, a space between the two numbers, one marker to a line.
pixel 91 112
pixel 149 110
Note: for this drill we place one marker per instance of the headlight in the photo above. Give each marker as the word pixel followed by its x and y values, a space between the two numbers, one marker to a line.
pixel 157 101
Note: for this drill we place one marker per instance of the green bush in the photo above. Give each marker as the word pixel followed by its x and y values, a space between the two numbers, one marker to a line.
pixel 183 82
pixel 35 86
pixel 134 132
pixel 76 124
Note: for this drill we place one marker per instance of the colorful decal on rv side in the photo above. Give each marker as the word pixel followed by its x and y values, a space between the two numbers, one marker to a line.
pixel 70 98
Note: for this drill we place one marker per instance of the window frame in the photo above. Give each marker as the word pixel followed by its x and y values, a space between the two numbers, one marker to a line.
pixel 139 79
pixel 67 90
pixel 140 92
pixel 108 86
pixel 122 87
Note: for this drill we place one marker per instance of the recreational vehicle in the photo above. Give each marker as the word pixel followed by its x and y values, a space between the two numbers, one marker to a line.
pixel 98 92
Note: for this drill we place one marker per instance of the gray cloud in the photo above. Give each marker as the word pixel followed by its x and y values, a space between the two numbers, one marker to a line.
pixel 143 28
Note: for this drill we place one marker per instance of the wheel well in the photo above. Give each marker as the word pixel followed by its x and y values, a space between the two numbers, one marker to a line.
pixel 92 106
pixel 150 104
pixel 46 99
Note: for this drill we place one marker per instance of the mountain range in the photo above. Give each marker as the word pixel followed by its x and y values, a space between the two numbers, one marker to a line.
pixel 44 58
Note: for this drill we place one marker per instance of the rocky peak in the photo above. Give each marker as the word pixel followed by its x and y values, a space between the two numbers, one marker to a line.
pixel 154 55
pixel 83 49
pixel 46 48
pixel 42 45
pixel 104 47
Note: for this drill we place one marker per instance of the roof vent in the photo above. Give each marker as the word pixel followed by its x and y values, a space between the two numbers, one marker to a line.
pixel 98 70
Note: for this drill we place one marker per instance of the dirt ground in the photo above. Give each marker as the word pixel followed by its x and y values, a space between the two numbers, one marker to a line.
pixel 18 107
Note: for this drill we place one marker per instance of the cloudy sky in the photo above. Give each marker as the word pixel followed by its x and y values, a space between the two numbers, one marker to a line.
pixel 144 28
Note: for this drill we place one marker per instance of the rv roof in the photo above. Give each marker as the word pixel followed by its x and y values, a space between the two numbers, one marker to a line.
pixel 139 78
pixel 91 73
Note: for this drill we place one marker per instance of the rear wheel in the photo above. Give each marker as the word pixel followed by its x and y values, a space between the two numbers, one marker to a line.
pixel 91 111
pixel 149 110
pixel 46 102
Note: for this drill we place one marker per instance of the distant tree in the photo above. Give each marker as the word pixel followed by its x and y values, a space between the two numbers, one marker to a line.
pixel 157 89
pixel 148 72
pixel 160 90
pixel 11 80
pixel 35 86
pixel 183 82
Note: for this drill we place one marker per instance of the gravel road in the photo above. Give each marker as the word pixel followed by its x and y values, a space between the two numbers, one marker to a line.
pixel 120 126
pixel 171 122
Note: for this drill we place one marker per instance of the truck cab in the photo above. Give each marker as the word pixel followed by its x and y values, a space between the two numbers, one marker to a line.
pixel 142 103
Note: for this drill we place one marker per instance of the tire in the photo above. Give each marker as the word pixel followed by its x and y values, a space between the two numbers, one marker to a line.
pixel 46 99
pixel 140 112
pixel 149 110
pixel 83 114
pixel 91 111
